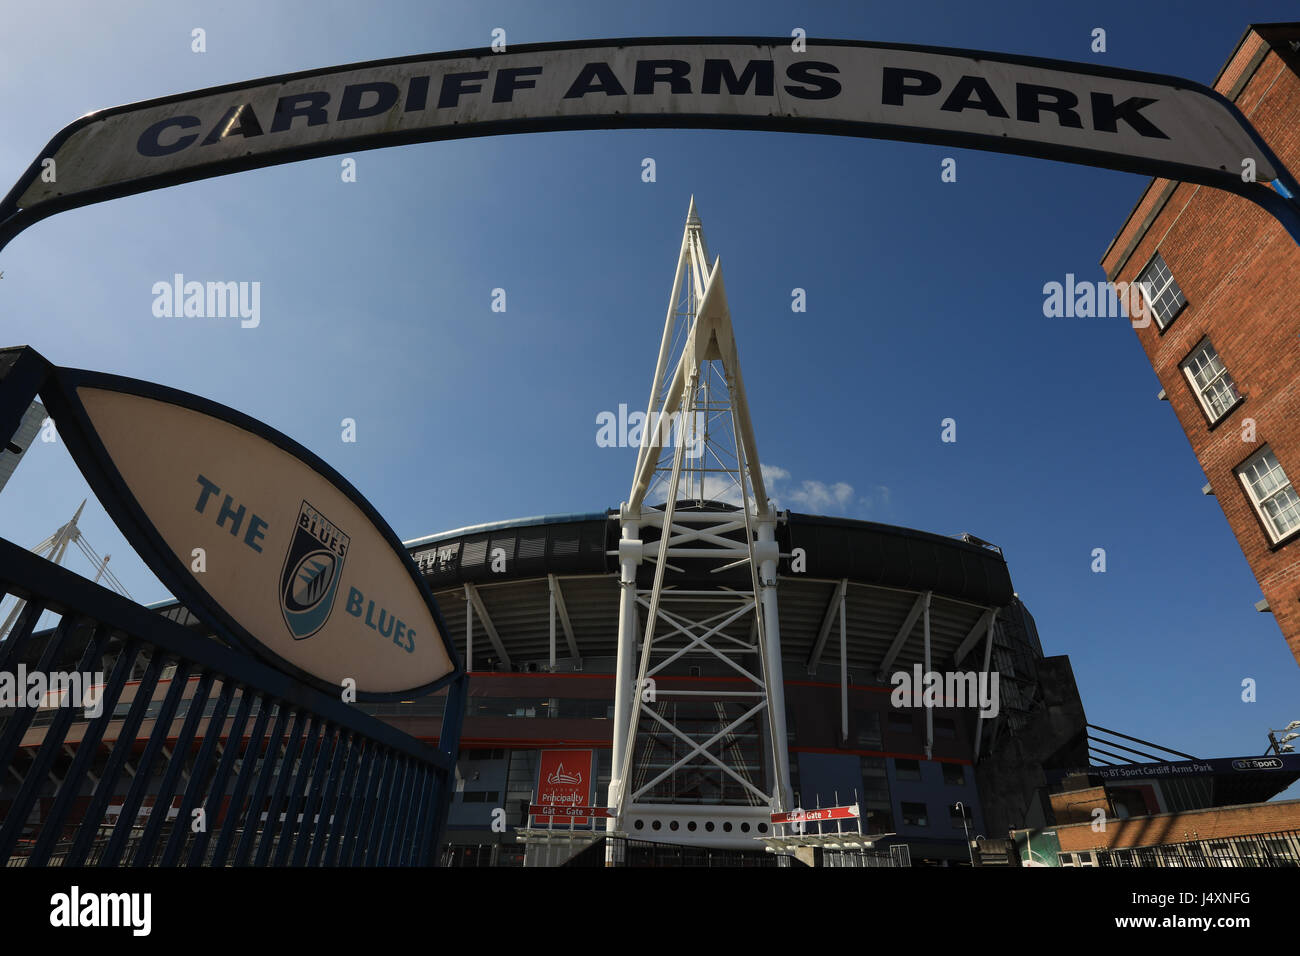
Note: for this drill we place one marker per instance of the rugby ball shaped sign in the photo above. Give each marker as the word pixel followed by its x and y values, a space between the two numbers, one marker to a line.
pixel 256 535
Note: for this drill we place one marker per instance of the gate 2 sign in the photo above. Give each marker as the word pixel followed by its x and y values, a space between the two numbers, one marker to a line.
pixel 1079 113
pixel 295 566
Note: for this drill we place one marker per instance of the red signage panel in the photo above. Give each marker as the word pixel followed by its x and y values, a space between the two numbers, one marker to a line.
pixel 812 816
pixel 564 780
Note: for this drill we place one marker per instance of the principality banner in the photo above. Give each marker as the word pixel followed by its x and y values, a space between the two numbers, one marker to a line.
pixel 563 780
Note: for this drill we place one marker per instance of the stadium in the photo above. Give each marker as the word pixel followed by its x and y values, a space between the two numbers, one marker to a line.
pixel 768 682
pixel 541 641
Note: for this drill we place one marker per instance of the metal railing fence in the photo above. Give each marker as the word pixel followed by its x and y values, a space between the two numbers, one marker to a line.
pixel 261 770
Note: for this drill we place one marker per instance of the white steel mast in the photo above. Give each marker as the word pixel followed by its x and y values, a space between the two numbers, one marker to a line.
pixel 54 548
pixel 680 756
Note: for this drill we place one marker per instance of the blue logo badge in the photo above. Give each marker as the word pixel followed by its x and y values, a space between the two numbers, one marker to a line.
pixel 311 573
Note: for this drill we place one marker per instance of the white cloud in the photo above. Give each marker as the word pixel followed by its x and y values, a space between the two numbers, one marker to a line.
pixel 819 496
pixel 822 497
pixel 816 497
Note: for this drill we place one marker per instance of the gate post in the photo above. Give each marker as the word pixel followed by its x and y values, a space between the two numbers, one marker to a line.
pixel 449 746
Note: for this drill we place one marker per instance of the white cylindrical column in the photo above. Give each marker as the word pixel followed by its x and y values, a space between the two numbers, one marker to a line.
pixel 775 677
pixel 625 694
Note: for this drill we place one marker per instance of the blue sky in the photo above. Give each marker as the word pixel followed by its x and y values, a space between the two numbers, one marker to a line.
pixel 924 302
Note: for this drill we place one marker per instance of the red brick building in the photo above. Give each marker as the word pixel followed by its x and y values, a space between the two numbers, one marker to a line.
pixel 1252 834
pixel 1224 337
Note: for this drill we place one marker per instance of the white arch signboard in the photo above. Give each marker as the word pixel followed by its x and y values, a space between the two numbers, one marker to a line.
pixel 1119 119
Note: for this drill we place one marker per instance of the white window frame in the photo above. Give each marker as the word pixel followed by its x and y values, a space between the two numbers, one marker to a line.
pixel 1153 295
pixel 1224 377
pixel 1283 489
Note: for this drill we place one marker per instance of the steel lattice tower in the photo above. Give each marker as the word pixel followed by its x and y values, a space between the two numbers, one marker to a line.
pixel 720 752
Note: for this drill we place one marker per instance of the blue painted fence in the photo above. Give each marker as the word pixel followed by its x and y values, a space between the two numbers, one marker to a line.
pixel 284 775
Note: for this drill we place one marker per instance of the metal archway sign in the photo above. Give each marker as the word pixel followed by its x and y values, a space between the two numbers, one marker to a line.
pixel 1131 121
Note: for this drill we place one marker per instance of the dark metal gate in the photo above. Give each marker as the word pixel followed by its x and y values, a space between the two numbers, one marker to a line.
pixel 206 755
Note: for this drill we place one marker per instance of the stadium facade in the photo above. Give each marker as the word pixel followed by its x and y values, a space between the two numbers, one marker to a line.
pixel 540 686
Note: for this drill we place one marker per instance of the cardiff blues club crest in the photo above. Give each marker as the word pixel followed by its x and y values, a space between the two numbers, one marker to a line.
pixel 311 574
